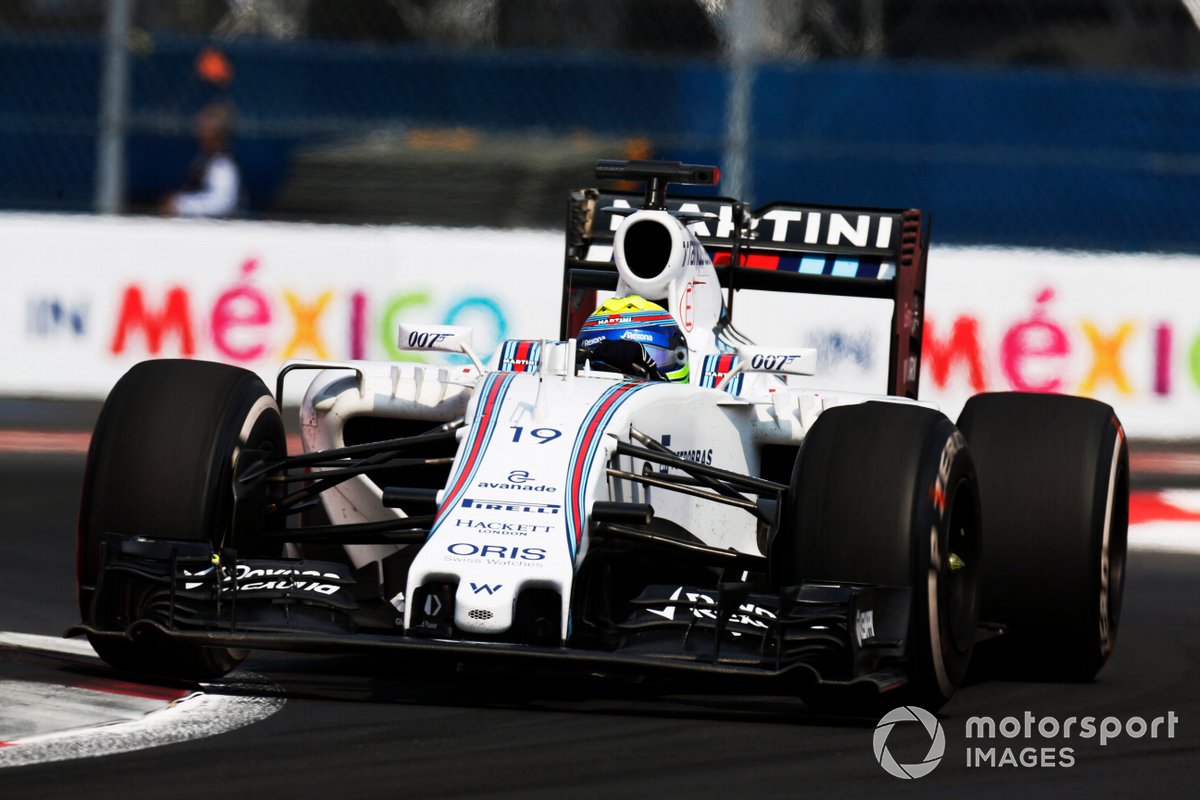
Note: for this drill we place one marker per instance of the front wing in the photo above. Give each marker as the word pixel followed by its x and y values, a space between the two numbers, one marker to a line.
pixel 839 634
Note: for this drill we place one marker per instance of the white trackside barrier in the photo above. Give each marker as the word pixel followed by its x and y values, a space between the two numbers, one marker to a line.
pixel 84 298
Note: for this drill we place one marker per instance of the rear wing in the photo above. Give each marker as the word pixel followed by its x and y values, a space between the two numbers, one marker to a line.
pixel 786 247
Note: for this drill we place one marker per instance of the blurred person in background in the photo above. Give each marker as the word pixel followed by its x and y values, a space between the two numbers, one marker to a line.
pixel 212 187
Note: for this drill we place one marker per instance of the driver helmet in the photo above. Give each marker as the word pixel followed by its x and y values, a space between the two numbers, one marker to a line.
pixel 636 319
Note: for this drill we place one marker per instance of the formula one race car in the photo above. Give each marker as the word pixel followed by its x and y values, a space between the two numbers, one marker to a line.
pixel 657 496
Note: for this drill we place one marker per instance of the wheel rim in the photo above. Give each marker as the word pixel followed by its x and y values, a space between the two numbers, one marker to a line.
pixel 959 571
pixel 1113 559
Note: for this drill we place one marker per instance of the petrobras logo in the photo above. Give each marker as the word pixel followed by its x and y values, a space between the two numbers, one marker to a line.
pixel 698 456
pixel 704 457
pixel 507 505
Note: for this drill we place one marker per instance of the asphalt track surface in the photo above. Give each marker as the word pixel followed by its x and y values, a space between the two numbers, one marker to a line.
pixel 361 728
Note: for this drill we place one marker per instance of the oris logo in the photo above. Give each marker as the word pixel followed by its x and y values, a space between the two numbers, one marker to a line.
pixel 500 552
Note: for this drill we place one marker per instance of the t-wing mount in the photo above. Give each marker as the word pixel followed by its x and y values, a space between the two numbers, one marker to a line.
pixel 656 175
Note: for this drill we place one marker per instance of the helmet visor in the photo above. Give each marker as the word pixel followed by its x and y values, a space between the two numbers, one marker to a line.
pixel 667 359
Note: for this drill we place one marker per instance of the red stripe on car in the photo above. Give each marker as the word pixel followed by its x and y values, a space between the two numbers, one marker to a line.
pixel 577 473
pixel 481 426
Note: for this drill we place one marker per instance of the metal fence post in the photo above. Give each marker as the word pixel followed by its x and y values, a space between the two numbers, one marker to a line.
pixel 741 35
pixel 114 108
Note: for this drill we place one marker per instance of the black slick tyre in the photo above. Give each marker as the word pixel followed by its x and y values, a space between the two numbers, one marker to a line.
pixel 884 494
pixel 160 465
pixel 1054 482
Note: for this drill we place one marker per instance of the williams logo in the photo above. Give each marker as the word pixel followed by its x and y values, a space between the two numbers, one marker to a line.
pixel 932 732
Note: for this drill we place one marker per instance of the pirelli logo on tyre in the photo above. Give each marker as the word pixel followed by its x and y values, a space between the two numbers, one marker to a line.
pixel 955 443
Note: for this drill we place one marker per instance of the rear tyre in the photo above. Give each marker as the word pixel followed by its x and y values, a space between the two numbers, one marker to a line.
pixel 1054 482
pixel 160 465
pixel 884 493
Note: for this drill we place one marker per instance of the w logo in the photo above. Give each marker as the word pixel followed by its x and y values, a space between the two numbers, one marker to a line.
pixel 479 588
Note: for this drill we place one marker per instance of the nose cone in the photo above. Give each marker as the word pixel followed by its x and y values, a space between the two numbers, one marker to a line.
pixel 484 606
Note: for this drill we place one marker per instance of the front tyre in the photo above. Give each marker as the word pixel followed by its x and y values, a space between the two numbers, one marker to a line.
pixel 161 465
pixel 1054 479
pixel 885 494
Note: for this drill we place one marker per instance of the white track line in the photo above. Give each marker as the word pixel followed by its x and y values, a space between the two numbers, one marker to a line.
pixel 53 644
pixel 1184 499
pixel 1165 537
pixel 195 716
